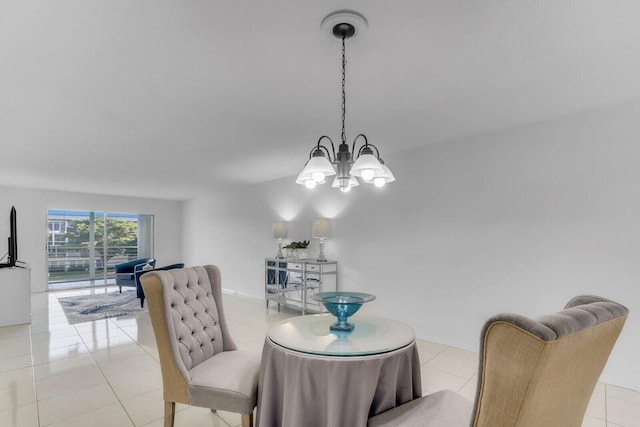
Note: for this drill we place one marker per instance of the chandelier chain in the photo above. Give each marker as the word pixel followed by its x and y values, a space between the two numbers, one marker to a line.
pixel 344 96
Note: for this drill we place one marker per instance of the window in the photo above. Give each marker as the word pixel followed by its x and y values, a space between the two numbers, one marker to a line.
pixel 85 246
pixel 56 226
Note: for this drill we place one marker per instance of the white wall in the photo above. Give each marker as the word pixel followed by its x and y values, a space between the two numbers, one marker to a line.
pixel 32 205
pixel 519 220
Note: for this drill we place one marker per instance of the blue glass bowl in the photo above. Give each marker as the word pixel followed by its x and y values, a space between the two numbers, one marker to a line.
pixel 342 305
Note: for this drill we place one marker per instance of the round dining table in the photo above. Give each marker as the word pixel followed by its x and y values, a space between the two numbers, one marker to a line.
pixel 311 376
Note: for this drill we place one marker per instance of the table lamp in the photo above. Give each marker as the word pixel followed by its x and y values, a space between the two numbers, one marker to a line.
pixel 280 230
pixel 321 229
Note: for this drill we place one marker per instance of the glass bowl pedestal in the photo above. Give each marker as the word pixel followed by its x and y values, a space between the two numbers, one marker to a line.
pixel 342 305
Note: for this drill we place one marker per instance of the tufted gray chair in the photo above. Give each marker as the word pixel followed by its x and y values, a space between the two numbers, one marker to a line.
pixel 201 365
pixel 532 373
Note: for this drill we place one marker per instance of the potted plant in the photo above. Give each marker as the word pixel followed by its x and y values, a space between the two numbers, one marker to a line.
pixel 297 250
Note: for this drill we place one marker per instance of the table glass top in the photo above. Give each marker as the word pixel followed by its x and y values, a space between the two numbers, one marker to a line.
pixel 311 334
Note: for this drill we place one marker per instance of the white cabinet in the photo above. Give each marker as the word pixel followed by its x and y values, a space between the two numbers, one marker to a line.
pixel 15 296
pixel 292 282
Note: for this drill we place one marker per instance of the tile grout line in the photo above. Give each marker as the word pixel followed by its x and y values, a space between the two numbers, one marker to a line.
pixel 606 406
pixel 33 372
pixel 83 343
pixel 465 384
pixel 102 372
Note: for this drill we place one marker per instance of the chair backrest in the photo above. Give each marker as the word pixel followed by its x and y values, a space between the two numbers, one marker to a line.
pixel 188 320
pixel 170 267
pixel 543 372
pixel 139 274
pixel 128 267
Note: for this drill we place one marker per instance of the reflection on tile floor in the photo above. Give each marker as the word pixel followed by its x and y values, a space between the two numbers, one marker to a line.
pixel 55 286
pixel 106 373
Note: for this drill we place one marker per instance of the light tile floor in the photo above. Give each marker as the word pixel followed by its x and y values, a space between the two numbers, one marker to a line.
pixel 106 373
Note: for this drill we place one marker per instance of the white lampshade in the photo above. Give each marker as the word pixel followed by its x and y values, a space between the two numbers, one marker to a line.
pixel 307 180
pixel 280 229
pixel 320 228
pixel 389 175
pixel 353 182
pixel 318 167
pixel 383 177
pixel 366 166
pixel 302 177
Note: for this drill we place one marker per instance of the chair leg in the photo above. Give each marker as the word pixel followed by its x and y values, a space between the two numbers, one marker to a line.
pixel 247 420
pixel 169 413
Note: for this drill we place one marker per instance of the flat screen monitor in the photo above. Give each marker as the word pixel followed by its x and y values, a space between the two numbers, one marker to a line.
pixel 12 255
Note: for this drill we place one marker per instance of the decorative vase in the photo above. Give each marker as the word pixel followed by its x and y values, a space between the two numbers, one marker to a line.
pixel 297 254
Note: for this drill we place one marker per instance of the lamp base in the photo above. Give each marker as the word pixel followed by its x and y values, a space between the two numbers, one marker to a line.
pixel 280 255
pixel 321 257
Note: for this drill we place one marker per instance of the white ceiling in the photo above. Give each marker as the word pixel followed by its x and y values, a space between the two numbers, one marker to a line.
pixel 170 98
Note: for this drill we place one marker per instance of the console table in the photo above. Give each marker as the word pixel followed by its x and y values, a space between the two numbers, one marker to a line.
pixel 292 282
pixel 312 377
pixel 15 296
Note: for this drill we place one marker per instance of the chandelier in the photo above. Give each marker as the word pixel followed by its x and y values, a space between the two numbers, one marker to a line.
pixel 347 165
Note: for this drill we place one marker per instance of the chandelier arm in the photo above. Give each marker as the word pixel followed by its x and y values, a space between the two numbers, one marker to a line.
pixel 366 141
pixel 353 146
pixel 332 154
pixel 377 152
pixel 311 152
pixel 366 144
pixel 369 146
pixel 318 146
pixel 323 148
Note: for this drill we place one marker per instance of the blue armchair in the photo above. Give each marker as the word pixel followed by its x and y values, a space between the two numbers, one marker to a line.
pixel 139 273
pixel 125 272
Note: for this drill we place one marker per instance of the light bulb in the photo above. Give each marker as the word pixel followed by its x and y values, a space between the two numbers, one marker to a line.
pixel 310 184
pixel 345 189
pixel 318 176
pixel 367 174
pixel 379 182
